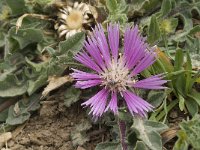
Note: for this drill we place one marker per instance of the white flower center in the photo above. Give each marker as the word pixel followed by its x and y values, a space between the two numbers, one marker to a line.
pixel 117 77
pixel 75 19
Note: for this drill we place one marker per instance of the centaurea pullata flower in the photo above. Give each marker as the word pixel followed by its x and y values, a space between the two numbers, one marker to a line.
pixel 116 72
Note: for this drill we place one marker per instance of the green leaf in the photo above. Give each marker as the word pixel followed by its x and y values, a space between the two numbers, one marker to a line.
pixel 189 83
pixel 17 118
pixel 111 5
pixel 10 86
pixel 195 96
pixel 140 146
pixel 40 73
pixel 4 115
pixel 26 36
pixel 194 30
pixel 108 146
pixel 154 30
pixel 178 60
pixel 33 85
pixel 148 132
pixel 73 44
pixel 180 84
pixel 181 143
pixel 192 106
pixel 124 115
pixel 175 74
pixel 2 38
pixel 79 136
pixel 44 2
pixel 17 6
pixel 117 11
pixel 189 134
pixel 143 6
pixel 156 97
pixel 154 126
pixel 166 7
pixel 20 112
pixel 181 102
pixel 72 95
pixel 132 138
pixel 186 18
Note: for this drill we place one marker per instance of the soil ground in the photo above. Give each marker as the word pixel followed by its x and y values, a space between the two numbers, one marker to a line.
pixel 50 129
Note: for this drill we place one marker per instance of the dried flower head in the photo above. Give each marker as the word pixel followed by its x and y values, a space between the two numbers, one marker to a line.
pixel 116 73
pixel 72 20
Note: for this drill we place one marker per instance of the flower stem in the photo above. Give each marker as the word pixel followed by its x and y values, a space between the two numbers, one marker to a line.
pixel 122 131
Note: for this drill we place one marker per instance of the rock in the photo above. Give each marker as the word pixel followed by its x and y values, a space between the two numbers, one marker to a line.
pixel 11 143
pixel 4 137
pixel 5 149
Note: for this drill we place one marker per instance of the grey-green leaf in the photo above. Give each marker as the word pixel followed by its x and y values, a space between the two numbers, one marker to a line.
pixel 14 119
pixel 26 36
pixel 156 97
pixel 140 146
pixel 154 30
pixel 72 95
pixel 17 6
pixel 108 146
pixel 10 86
pixel 148 132
pixel 111 5
pixel 73 44
pixel 166 7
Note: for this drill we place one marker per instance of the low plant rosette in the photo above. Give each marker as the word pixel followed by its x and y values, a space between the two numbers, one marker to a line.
pixel 116 72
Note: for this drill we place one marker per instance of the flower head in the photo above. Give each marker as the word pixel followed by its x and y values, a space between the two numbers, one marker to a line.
pixel 72 20
pixel 115 72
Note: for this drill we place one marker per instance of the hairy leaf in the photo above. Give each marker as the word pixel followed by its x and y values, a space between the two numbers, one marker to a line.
pixel 72 95
pixel 156 97
pixel 11 86
pixel 108 146
pixel 79 136
pixel 26 36
pixel 154 30
pixel 17 7
pixel 20 112
pixel 148 132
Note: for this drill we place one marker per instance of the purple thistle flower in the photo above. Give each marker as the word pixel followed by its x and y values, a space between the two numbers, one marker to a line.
pixel 116 72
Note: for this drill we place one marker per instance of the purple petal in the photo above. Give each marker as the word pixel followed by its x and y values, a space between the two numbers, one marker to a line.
pixel 93 50
pixel 87 84
pixel 80 75
pixel 137 56
pixel 113 37
pixel 113 103
pixel 102 43
pixel 153 82
pixel 98 102
pixel 134 47
pixel 136 105
pixel 87 61
pixel 145 62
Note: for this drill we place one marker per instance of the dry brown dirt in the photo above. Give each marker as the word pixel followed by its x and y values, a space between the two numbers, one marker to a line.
pixel 50 129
